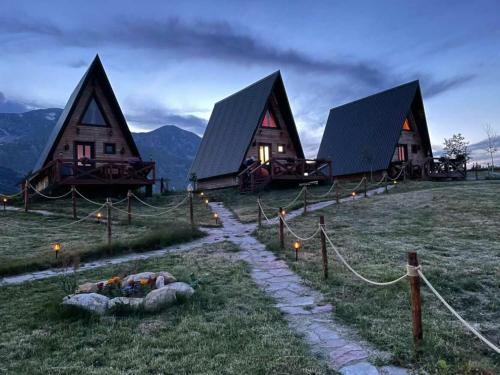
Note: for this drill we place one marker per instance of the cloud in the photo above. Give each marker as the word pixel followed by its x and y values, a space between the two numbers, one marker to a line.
pixel 436 87
pixel 210 40
pixel 77 63
pixel 8 106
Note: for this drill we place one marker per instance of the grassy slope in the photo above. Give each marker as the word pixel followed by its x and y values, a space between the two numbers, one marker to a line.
pixel 26 237
pixel 229 326
pixel 454 228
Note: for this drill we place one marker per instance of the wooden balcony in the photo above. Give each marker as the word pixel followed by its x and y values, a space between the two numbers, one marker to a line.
pixel 97 172
pixel 445 168
pixel 257 175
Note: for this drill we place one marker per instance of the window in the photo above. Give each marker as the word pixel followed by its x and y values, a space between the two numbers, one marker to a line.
pixel 415 149
pixel 406 125
pixel 402 152
pixel 281 149
pixel 264 153
pixel 84 151
pixel 269 120
pixel 93 115
pixel 109 148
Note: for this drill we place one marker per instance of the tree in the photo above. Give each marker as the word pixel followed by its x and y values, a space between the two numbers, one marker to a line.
pixel 492 142
pixel 456 147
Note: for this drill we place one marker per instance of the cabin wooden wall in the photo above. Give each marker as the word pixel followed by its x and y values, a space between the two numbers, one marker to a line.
pixel 97 134
pixel 218 182
pixel 273 137
pixel 410 138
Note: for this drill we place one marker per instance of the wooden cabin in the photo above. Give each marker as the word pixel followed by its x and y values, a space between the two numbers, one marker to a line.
pixel 91 146
pixel 251 141
pixel 385 132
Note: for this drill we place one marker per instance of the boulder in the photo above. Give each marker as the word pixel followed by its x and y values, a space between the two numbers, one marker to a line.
pixel 182 290
pixel 93 302
pixel 167 277
pixel 137 277
pixel 125 304
pixel 159 299
pixel 86 288
pixel 160 282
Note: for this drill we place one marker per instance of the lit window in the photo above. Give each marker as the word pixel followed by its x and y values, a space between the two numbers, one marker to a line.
pixel 93 115
pixel 269 120
pixel 281 149
pixel 402 151
pixel 406 125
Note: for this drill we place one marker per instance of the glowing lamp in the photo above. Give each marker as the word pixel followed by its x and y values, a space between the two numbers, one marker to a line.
pixel 283 212
pixel 202 194
pixel 206 201
pixel 4 200
pixel 216 217
pixel 296 246
pixel 56 247
pixel 395 182
pixel 98 216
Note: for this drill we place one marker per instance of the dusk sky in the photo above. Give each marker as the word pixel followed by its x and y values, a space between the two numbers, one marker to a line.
pixel 170 61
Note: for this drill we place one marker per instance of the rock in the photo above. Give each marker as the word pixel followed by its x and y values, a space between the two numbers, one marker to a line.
pixel 137 277
pixel 93 302
pixel 86 288
pixel 159 298
pixel 182 290
pixel 167 277
pixel 160 282
pixel 125 304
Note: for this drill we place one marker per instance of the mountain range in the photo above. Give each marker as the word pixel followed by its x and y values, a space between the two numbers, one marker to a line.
pixel 23 137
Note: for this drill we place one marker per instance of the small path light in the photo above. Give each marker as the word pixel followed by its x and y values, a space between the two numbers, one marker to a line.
pixel 296 246
pixel 202 194
pixel 283 212
pixel 99 217
pixel 216 217
pixel 395 182
pixel 4 201
pixel 56 247
pixel 206 202
pixel 353 195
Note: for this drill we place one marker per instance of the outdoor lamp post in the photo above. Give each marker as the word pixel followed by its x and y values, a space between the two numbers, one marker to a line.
pixel 190 193
pixel 283 212
pixel 56 247
pixel 206 202
pixel 4 201
pixel 202 194
pixel 353 195
pixel 296 246
pixel 216 217
pixel 99 217
pixel 395 182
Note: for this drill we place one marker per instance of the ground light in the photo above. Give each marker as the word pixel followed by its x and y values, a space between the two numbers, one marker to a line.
pixel 283 212
pixel 206 202
pixel 56 247
pixel 296 246
pixel 395 182
pixel 216 217
pixel 353 195
pixel 4 201
pixel 99 217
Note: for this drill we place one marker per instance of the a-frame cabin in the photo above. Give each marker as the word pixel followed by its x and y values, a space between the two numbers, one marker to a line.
pixel 91 145
pixel 385 132
pixel 251 141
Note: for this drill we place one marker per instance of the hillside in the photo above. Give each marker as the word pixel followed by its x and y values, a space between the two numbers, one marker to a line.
pixel 23 136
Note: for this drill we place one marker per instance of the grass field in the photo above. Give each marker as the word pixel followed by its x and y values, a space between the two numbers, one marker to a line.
pixel 454 227
pixel 228 327
pixel 26 238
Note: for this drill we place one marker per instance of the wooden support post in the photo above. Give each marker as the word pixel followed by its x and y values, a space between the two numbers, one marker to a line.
pixel 305 200
pixel 26 195
pixel 475 168
pixel 259 213
pixel 416 302
pixel 149 191
pixel 386 183
pixel 366 186
pixel 129 207
pixel 73 201
pixel 191 214
pixel 324 254
pixel 162 185
pixel 4 201
pixel 404 173
pixel 337 193
pixel 281 231
pixel 109 219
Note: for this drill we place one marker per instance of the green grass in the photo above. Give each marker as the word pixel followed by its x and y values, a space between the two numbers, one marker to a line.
pixel 26 238
pixel 454 229
pixel 228 327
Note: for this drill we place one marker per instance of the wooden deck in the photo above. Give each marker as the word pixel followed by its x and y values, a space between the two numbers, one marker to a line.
pixel 257 176
pixel 445 168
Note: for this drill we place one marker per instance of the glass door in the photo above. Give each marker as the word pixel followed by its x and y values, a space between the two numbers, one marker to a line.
pixel 264 153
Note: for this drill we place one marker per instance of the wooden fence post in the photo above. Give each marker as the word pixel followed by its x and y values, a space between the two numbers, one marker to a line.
pixel 26 195
pixel 323 247
pixel 73 201
pixel 162 185
pixel 281 231
pixel 191 214
pixel 366 184
pixel 337 193
pixel 109 219
pixel 129 207
pixel 475 168
pixel 305 200
pixel 259 213
pixel 386 183
pixel 416 301
pixel 404 173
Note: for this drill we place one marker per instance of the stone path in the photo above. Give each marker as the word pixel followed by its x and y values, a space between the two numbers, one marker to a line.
pixel 303 307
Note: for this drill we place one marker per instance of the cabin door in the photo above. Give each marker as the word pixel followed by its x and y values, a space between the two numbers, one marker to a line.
pixel 84 154
pixel 264 153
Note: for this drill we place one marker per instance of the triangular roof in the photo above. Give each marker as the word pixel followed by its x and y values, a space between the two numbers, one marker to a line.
pixel 95 71
pixel 232 126
pixel 361 136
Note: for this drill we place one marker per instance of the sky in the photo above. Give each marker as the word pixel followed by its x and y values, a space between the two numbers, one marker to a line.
pixel 170 61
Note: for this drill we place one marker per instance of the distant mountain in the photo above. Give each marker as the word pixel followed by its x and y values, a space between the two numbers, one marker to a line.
pixel 23 137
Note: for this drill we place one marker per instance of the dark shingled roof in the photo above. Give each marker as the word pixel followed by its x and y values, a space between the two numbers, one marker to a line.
pixel 362 136
pixel 232 126
pixel 95 70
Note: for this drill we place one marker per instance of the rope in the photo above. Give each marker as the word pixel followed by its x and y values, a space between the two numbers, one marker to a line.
pixel 462 320
pixel 89 200
pixel 358 185
pixel 297 236
pixel 262 210
pixel 153 215
pixel 325 194
pixel 47 196
pixel 12 195
pixel 288 205
pixel 356 273
pixel 397 177
pixel 147 204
